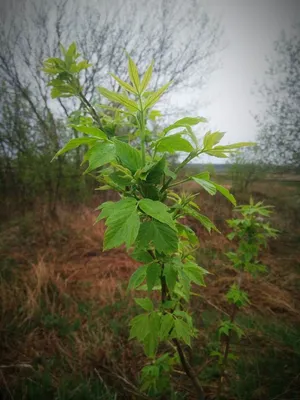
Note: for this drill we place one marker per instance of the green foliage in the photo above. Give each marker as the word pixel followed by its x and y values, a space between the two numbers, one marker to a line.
pixel 122 221
pixel 246 168
pixel 147 217
pixel 251 232
pixel 237 296
pixel 155 378
pixel 158 236
pixel 42 386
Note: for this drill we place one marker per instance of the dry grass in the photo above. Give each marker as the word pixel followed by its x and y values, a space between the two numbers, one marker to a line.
pixel 58 267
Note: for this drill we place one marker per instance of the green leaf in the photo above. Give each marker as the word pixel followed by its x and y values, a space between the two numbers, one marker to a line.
pixel 163 238
pixel 194 273
pixel 118 178
pixel 149 190
pixel 71 50
pixel 119 98
pixel 203 175
pixel 153 98
pixel 137 277
pixel 153 273
pixel 146 78
pixel 153 114
pixel 183 289
pixel 235 146
pixel 191 121
pixel 90 130
pixel 141 255
pixel 74 143
pixel 227 326
pixel 106 208
pixel 211 139
pixel 129 156
pixel 167 323
pixel 80 66
pixel 99 155
pixel 184 122
pixel 212 187
pixel 187 233
pixel 124 84
pixel 157 210
pixel 133 73
pixel 225 192
pixel 145 303
pixel 122 224
pixel 207 185
pixel 151 340
pixel 170 274
pixel 216 153
pixel 62 49
pixel 237 296
pixel 224 328
pixel 140 327
pixel 170 173
pixel 156 172
pixel 173 143
pixel 169 304
pixel 206 222
pixel 183 331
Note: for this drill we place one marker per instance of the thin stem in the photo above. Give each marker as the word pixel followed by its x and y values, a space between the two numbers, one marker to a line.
pixel 180 182
pixel 142 129
pixel 234 310
pixel 91 109
pixel 180 166
pixel 189 371
pixel 226 352
pixel 165 295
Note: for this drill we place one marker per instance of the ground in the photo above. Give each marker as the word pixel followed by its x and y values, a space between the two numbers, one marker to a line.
pixel 65 308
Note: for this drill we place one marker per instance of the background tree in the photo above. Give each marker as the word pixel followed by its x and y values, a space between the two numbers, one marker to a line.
pixel 279 126
pixel 182 38
pixel 246 168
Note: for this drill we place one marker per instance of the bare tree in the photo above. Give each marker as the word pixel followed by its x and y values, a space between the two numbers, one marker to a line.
pixel 279 126
pixel 181 38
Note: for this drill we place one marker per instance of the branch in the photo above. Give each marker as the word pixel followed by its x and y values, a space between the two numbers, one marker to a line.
pixel 189 371
pixel 91 109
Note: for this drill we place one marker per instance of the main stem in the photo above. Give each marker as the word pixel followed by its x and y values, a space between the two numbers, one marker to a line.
pixel 228 338
pixel 180 166
pixel 142 129
pixel 184 362
pixel 226 351
pixel 90 108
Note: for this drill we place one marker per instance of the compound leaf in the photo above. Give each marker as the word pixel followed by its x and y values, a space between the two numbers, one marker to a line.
pixel 129 156
pixel 137 277
pixel 157 210
pixel 153 273
pixel 173 143
pixel 163 238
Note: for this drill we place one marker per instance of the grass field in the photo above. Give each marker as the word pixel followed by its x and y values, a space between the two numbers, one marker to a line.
pixel 65 310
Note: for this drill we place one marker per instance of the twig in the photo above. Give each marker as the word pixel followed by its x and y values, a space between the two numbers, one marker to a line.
pixel 287 388
pixel 18 366
pixel 189 371
pixel 184 362
pixel 226 352
pixel 7 388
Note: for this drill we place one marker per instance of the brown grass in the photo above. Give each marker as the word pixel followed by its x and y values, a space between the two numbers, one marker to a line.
pixel 59 265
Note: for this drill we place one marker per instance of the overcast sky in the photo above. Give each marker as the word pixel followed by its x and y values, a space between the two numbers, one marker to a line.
pixel 251 27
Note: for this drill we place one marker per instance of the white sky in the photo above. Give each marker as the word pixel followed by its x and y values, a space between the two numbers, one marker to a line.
pixel 250 27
